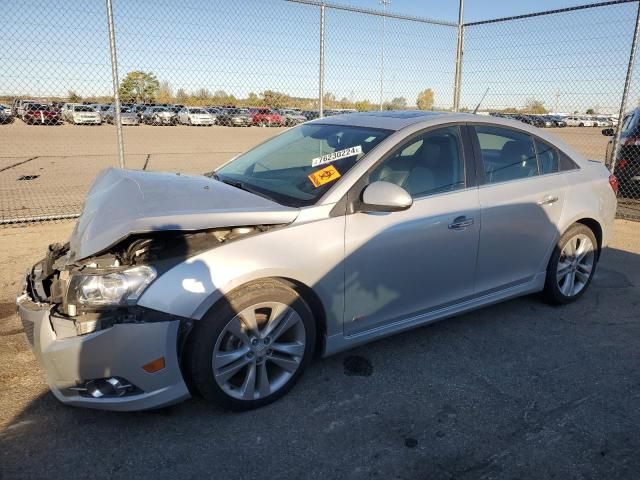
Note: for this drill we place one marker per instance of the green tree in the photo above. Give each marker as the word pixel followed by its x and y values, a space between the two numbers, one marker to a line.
pixel 535 106
pixel 202 96
pixel 329 100
pixel 273 99
pixel 165 93
pixel 139 87
pixel 182 97
pixel 397 103
pixel 252 99
pixel 73 97
pixel 363 106
pixel 425 99
pixel 590 111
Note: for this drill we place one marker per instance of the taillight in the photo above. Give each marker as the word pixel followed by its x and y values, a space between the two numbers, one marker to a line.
pixel 622 163
pixel 613 181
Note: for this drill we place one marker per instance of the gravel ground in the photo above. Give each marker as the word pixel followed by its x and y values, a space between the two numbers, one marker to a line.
pixel 517 390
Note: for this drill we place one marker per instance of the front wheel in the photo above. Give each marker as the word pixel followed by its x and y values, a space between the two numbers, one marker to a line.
pixel 572 265
pixel 252 347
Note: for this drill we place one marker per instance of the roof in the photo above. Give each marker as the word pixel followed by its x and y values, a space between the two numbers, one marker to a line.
pixel 417 119
pixel 391 119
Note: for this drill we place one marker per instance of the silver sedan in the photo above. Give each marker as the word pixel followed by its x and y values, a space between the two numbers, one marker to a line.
pixel 335 233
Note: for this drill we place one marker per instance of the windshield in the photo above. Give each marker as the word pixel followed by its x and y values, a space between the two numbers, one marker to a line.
pixel 299 166
pixel 196 110
pixel 83 108
pixel 35 106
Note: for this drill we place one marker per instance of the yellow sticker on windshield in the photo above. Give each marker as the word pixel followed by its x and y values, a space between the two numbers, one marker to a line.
pixel 326 175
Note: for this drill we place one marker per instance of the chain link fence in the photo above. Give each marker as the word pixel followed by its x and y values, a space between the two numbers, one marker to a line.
pixel 191 75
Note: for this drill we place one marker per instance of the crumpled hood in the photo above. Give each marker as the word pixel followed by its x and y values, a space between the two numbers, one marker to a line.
pixel 122 202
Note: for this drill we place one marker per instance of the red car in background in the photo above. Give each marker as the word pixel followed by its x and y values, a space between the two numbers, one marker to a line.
pixel 265 117
pixel 38 113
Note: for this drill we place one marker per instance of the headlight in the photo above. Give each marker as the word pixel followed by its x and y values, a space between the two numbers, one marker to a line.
pixel 115 288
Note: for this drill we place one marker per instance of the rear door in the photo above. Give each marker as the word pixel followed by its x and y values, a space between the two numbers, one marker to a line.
pixel 521 201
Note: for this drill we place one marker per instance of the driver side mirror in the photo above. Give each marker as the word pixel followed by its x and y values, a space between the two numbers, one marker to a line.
pixel 608 132
pixel 385 197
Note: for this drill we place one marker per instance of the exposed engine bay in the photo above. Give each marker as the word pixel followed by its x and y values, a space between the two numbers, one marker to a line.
pixel 51 281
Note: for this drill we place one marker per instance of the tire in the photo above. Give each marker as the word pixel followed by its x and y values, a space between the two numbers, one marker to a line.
pixel 560 289
pixel 214 335
pixel 581 125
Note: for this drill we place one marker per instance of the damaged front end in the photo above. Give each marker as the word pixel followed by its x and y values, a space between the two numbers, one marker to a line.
pixel 102 290
pixel 97 346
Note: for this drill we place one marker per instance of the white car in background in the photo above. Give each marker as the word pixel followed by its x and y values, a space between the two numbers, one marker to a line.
pixel 575 121
pixel 603 122
pixel 79 114
pixel 195 116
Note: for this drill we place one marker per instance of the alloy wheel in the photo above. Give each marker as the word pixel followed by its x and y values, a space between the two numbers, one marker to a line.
pixel 259 351
pixel 575 265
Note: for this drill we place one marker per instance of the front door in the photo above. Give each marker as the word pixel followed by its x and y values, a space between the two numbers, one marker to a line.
pixel 402 264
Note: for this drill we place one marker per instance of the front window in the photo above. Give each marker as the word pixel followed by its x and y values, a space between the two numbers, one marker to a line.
pixel 197 110
pixel 299 166
pixel 426 165
pixel 84 108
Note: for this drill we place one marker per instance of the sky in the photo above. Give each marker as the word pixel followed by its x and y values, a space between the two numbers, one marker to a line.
pixel 570 61
pixel 475 10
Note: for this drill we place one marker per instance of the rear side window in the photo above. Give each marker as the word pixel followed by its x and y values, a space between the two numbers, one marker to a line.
pixel 547 157
pixel 506 154
pixel 566 163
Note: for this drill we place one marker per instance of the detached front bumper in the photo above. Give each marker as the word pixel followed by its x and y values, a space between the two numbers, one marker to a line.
pixel 119 351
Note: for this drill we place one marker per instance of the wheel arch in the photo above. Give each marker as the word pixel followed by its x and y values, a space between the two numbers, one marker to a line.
pixel 595 227
pixel 307 293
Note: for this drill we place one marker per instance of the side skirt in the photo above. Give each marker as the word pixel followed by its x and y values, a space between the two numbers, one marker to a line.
pixel 339 342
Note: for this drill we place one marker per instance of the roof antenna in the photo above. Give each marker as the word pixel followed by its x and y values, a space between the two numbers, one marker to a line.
pixel 478 106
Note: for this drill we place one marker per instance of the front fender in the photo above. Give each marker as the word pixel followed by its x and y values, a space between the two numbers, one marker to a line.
pixel 310 253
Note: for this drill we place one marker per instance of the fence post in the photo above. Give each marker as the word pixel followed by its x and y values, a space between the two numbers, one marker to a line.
pixel 384 25
pixel 625 93
pixel 116 83
pixel 459 50
pixel 321 74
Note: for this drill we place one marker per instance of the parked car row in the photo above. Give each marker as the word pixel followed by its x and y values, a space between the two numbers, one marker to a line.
pixel 35 111
pixel 547 121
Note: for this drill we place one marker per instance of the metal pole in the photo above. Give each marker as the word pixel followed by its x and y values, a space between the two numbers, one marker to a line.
pixel 321 79
pixel 459 50
pixel 625 92
pixel 384 23
pixel 114 78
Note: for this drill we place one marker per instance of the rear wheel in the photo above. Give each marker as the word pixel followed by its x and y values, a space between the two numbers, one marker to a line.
pixel 572 265
pixel 252 347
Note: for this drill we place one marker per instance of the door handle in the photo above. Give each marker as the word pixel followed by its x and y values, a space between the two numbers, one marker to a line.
pixel 460 223
pixel 548 200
